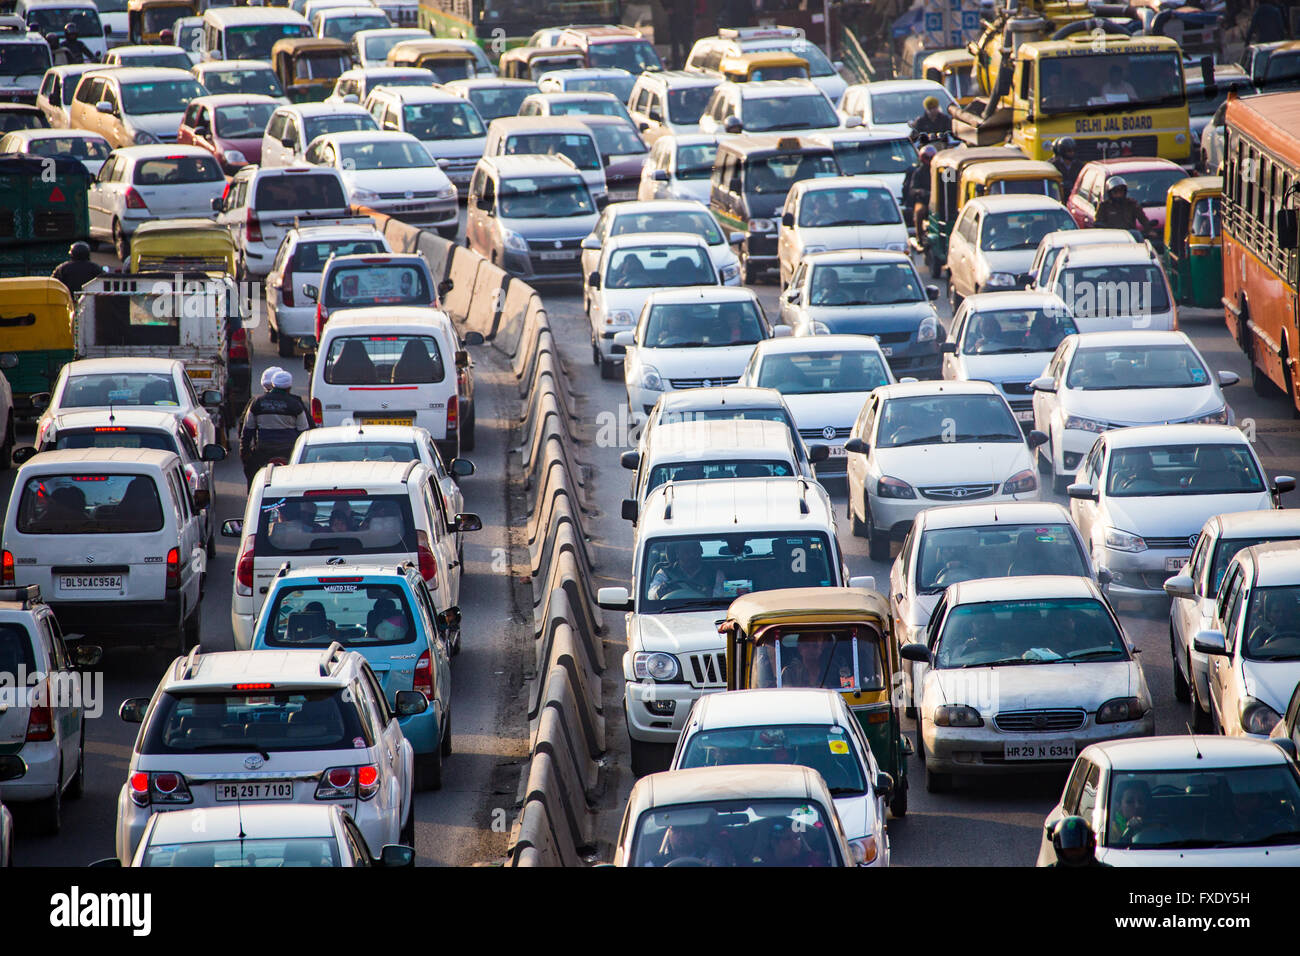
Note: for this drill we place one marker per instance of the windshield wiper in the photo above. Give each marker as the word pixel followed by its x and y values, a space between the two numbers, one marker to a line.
pixel 846 791
pixel 230 748
pixel 1083 655
pixel 992 436
pixel 692 604
pixel 925 440
pixel 1007 662
pixel 1273 839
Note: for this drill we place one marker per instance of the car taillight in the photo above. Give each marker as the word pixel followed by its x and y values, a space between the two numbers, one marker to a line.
pixel 7 568
pixel 423 680
pixel 239 344
pixel 453 415
pixel 244 568
pixel 191 426
pixel 133 199
pixel 286 293
pixel 169 787
pixel 428 563
pixel 173 569
pixel 317 411
pixel 140 789
pixel 367 781
pixel 321 316
pixel 337 783
pixel 252 228
pixel 40 718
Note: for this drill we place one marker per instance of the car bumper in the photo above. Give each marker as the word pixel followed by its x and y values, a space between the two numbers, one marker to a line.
pixel 242 626
pixel 980 750
pixel 42 759
pixel 1143 573
pixel 532 268
pixel 131 821
pixel 118 618
pixel 896 514
pixel 258 257
pixel 294 321
pixel 433 215
pixel 652 727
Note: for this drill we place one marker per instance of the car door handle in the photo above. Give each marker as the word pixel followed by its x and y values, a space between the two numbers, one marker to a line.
pixel 452 564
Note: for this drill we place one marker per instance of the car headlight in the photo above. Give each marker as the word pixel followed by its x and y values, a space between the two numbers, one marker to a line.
pixel 513 241
pixel 888 487
pixel 957 715
pixel 619 317
pixel 1257 717
pixel 1121 708
pixel 1000 280
pixel 448 193
pixel 1214 418
pixel 1084 424
pixel 927 330
pixel 730 271
pixel 145 138
pixel 364 195
pixel 762 225
pixel 865 850
pixel 895 247
pixel 234 157
pixel 650 379
pixel 655 665
pixel 1022 482
pixel 809 250
pixel 1118 540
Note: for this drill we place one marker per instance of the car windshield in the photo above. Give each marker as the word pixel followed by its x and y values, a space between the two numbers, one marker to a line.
pixel 257 721
pixel 1047 631
pixel 320 65
pixel 46 20
pixel 343 27
pixel 448 68
pixel 173 59
pixel 356 285
pixel 338 609
pixel 245 121
pixel 849 206
pixel 846 659
pixel 90 503
pixel 697 222
pixel 299 851
pixel 1136 367
pixel 253 80
pixel 115 436
pixel 620 86
pixel 545 198
pixel 1282 69
pixel 442 120
pixel 1272 629
pixel 1021 230
pixel 943 419
pixel 383 155
pixel 78 147
pixel 162 96
pixel 875 157
pixel 311 256
pixel 1149 187
pixel 1004 331
pixel 28 59
pixel 950 555
pixel 375 359
pixel 686 104
pixel 333 523
pixel 1198 808
pixel 177 171
pixel 1198 105
pixel 1210 469
pixel 359 450
pixel 784 833
pixel 807 111
pixel 689 325
pixel 902 106
pixel 377 47
pixel 300 191
pixel 823 371
pixel 865 283
pixel 1207 218
pixel 1075 83
pixel 617 139
pixel 337 123
pixel 254 42
pixel 588 106
pixel 496 102
pixel 649 267
pixel 1227 548
pixel 708 572
pixel 578 147
pixel 730 469
pixel 696 162
pixel 826 749
pixel 119 388
pixel 635 56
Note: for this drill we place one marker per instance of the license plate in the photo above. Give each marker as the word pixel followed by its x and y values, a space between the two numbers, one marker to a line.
pixel 388 421
pixel 199 372
pixel 270 790
pixel 1176 564
pixel 90 582
pixel 622 195
pixel 837 451
pixel 563 254
pixel 1039 750
pixel 1025 415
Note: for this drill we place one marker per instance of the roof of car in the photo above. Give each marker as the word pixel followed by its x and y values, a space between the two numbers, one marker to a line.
pixel 1107 253
pixel 839 182
pixel 51 133
pixel 634 239
pixel 334 433
pixel 235 15
pixel 293 668
pixel 909 389
pixel 729 438
pixel 1141 436
pixel 1183 751
pixel 217 65
pixel 812 344
pixel 1135 164
pixel 840 256
pixel 1276 562
pixel 603 119
pixel 160 150
pixel 107 366
pixel 894 86
pixel 369 136
pixel 719 396
pixel 146 49
pixel 420 94
pixel 254 821
pixel 573 96
pixel 702 293
pixel 323 109
pixel 682 77
pixel 531 164
pixel 538 124
pixel 778 705
pixel 488 82
pixel 100 458
pixel 1014 202
pixel 1131 337
pixel 150 74
pixel 642 206
pixel 1030 587
pixel 124 417
pixel 745 504
pixel 390 318
pixel 233 99
pixel 349 10
pixel 375 72
pixel 859 134
pixel 703 784
pixel 1019 299
pixel 327 475
pixel 1010 512
pixel 307 231
pixel 1251 524
pixel 1086 237
pixel 764 88
pixel 307 571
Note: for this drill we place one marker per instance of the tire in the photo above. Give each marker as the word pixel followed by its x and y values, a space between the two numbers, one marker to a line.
pixel 936 270
pixel 1061 483
pixel 1261 384
pixel 286 346
pixel 48 813
pixel 1182 693
pixel 937 782
pixel 7 448
pixel 1044 458
pixel 898 805
pixel 1202 720
pixel 407 836
pixel 879 544
pixel 77 785
pixel 428 770
pixel 860 529
pixel 647 758
pixel 467 433
pixel 608 369
pixel 212 546
pixel 595 353
pixel 121 245
pixel 445 747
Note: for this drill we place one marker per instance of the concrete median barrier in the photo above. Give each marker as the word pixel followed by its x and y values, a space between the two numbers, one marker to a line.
pixel 514 310
pixel 537 834
pixel 462 272
pixel 487 295
pixel 437 252
pixel 566 803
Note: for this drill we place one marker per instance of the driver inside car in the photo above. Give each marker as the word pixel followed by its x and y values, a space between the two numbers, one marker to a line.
pixel 687 572
pixel 1133 807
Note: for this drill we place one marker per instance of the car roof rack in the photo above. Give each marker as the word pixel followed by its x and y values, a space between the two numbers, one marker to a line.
pixel 329 658
pixel 803 495
pixel 189 664
pixel 284 569
pixel 25 594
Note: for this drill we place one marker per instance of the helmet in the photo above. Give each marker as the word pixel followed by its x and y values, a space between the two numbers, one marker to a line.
pixel 930 102
pixel 79 251
pixel 70 31
pixel 1064 146
pixel 927 152
pixel 1074 841
pixel 1116 182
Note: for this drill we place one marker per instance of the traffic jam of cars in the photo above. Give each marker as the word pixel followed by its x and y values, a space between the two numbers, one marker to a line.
pixel 938 529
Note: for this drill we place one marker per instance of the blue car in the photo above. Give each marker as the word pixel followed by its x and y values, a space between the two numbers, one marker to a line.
pixel 387 615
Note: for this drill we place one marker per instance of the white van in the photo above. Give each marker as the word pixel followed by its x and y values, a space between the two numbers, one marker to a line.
pixel 342 513
pixel 390 365
pixel 114 539
pixel 551 136
pixel 49 17
pixel 248 33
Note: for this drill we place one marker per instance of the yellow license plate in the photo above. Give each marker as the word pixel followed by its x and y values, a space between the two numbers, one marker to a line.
pixel 388 421
pixel 199 372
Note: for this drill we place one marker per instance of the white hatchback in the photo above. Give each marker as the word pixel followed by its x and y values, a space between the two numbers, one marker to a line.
pixel 834 213
pixel 665 215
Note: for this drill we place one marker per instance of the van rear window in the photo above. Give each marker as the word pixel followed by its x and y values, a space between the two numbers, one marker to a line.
pixel 271 720
pixel 335 523
pixel 109 436
pixel 360 451
pixel 142 388
pixel 312 256
pixel 340 609
pixel 89 503
pixel 355 286
pixel 299 191
pixel 380 359
pixel 16 650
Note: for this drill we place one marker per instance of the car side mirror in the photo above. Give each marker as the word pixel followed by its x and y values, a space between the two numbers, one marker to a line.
pixel 643 126
pixel 864 582
pixel 444 288
pixel 213 453
pixel 1282 484
pixel 462 358
pixel 1180 586
pixel 462 467
pixel 732 124
pixel 624 339
pixel 104 106
pixel 216 203
pixel 1036 438
pixel 629 510
pixel 614 599
pixel 133 709
pixel 593 280
pixel 1104 577
pixel 449 619
pixel 787 219
pixel 1044 384
pixel 1082 491
pixel 782 331
pixel 288 142
pixel 916 653
pixel 410 703
pixel 202 499
pixel 466 523
pixel 23 455
pixel 857 446
pixel 351 98
pixel 818 453
pixel 12 767
pixel 591 242
pixel 473 338
pixel 211 398
pixel 232 528
pixel 660 175
pixel 884 785
pixel 311 292
pixel 630 460
pixel 948 348
pixel 1227 378
pixel 1210 642
pixel 932 292
pixel 394 855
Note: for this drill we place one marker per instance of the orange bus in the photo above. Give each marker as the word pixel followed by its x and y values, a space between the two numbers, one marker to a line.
pixel 1261 175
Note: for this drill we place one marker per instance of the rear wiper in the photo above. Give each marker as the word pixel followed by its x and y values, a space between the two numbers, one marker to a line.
pixel 231 748
pixel 846 791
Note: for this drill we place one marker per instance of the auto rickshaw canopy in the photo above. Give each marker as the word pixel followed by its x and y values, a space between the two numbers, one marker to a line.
pixel 763 65
pixel 752 612
pixel 946 171
pixel 287 53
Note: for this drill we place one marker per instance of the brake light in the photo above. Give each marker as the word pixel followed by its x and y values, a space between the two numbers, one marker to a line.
pixel 244 568
pixel 7 568
pixel 317 412
pixel 321 318
pixel 428 563
pixel 453 414
pixel 239 344
pixel 367 781
pixel 140 789
pixel 286 293
pixel 259 686
pixel 40 719
pixel 191 427
pixel 337 580
pixel 423 681
pixel 337 783
pixel 166 787
pixel 110 428
pixel 133 199
pixel 252 227
pixel 173 569
pixel 336 493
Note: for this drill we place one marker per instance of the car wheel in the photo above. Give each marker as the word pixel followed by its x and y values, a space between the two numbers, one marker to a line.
pixel 608 369
pixel 407 836
pixel 446 737
pixel 1044 458
pixel 1202 719
pixel 121 245
pixel 48 813
pixel 859 527
pixel 286 346
pixel 7 448
pixel 954 300
pixel 649 758
pixel 937 782
pixel 898 805
pixel 936 268
pixel 77 786
pixel 1182 693
pixel 428 769
pixel 467 433
pixel 878 547
pixel 595 353
pixel 1060 483
pixel 212 546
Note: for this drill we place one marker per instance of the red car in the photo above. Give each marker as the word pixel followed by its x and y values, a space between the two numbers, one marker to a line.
pixel 1148 178
pixel 229 126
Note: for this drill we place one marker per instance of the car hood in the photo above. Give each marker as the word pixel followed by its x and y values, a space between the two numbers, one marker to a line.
pixel 1173 516
pixel 724 362
pixel 856 815
pixel 1014 261
pixel 162 125
pixel 422 178
pixel 630 299
pixel 251 148
pixel 1036 686
pixel 833 238
pixel 953 462
pixel 859 319
pixel 1144 406
pixel 455 148
pixel 1226 856
pixel 1273 682
pixel 1012 367
pixel 625 167
pixel 681 633
pixel 839 409
pixel 697 189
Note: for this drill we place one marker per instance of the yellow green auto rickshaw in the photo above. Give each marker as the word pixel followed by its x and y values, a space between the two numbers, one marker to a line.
pixel 853 634
pixel 308 67
pixel 1193 252
pixel 448 61
pixel 999 177
pixel 36 328
pixel 945 199
pixel 182 245
pixel 147 19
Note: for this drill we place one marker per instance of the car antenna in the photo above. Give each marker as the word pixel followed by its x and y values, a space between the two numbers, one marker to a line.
pixel 1191 733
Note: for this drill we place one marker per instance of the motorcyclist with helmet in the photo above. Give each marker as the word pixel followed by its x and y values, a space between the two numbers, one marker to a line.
pixel 70 48
pixel 78 270
pixel 1119 211
pixel 1063 151
pixel 1074 843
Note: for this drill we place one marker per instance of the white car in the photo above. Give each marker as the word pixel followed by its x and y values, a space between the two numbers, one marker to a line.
pixel 994 240
pixel 923 444
pixel 354 85
pixel 493 96
pixel 892 105
pixel 572 103
pixel 1143 494
pixel 826 380
pixel 7 361
pixel 239 76
pixel 690 338
pixel 836 213
pixel 149 183
pixel 91 148
pixel 154 54
pixel 293 128
pixel 589 79
pixel 217 733
pixel 770 106
pixel 391 173
pixel 1195 592
pixel 1006 338
pixel 54 98
pixel 1017 674
pixel 1052 244
pixel 188 34
pixel 370 47
pixel 806 726
pixel 688 216
pixel 263 204
pixel 1149 802
pixel 47 18
pixel 449 127
pixel 669 102
pixel 343 23
pixel 1103 380
pixel 1119 286
pixel 679 167
pixel 881 154
pixel 741 40
pixel 630 268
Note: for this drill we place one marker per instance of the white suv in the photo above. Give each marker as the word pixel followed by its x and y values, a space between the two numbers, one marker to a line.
pixel 293 726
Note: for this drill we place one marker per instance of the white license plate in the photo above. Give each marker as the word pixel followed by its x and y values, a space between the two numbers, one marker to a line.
pixel 1025 415
pixel 270 790
pixel 622 195
pixel 1175 564
pixel 90 582
pixel 563 254
pixel 1039 750
pixel 837 451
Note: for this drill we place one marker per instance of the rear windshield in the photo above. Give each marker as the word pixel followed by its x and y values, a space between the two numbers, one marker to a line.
pixel 243 80
pixel 24 59
pixel 581 148
pixel 707 470
pixel 378 359
pixel 360 451
pixel 177 171
pixel 442 121
pixel 299 851
pixel 121 388
pixel 300 191
pixel 635 56
pixel 89 503
pixel 339 123
pixel 504 101
pixel 776 174
pixel 651 268
pixel 254 42
pixel 16 649
pixel 311 256
pixel 342 28
pixel 241 722
pixel 687 104
pixel 115 436
pixel 363 284
pixel 346 522
pixel 339 609
pixel 875 157
pixel 78 147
